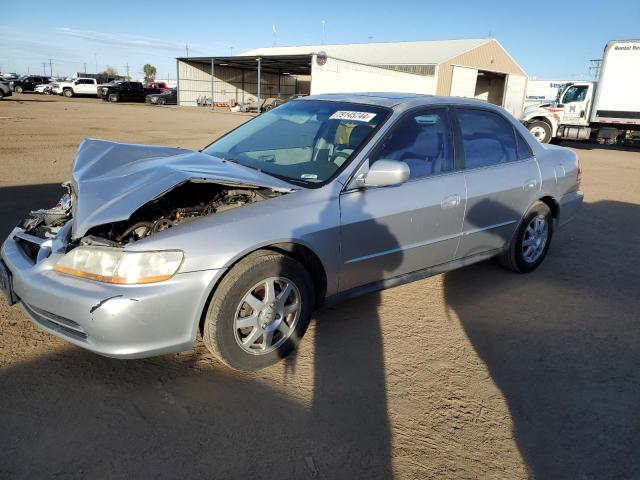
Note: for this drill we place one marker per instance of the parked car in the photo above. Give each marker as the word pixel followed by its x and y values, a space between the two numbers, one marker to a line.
pixel 5 90
pixel 125 92
pixel 28 83
pixel 170 97
pixel 317 200
pixel 78 86
pixel 162 86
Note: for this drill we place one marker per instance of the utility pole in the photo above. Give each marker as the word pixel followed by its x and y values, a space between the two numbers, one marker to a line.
pixel 275 35
pixel 44 68
pixel 323 36
pixel 231 48
pixel 127 67
pixel 85 67
pixel 50 68
pixel 186 46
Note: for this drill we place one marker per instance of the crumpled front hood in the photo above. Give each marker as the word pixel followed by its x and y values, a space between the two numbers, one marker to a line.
pixel 112 180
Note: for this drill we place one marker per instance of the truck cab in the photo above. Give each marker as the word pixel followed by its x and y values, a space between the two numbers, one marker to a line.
pixel 572 108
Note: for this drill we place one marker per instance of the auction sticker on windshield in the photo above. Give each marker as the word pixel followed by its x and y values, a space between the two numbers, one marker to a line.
pixel 349 115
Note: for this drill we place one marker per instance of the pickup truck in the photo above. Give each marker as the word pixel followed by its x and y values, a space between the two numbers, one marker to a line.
pixel 159 85
pixel 126 92
pixel 28 83
pixel 79 86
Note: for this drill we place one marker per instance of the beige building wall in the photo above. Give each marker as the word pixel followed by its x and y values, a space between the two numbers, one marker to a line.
pixel 490 57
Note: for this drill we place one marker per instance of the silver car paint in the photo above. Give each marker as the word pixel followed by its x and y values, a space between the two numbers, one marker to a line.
pixel 360 236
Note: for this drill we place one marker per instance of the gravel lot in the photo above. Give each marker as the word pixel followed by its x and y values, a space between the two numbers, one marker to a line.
pixel 479 373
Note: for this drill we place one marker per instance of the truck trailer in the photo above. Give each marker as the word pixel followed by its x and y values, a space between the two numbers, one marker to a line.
pixel 606 111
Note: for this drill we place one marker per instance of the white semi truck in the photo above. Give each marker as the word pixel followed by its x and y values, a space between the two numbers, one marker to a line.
pixel 606 111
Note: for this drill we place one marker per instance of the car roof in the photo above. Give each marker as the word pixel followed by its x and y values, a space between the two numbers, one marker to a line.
pixel 397 99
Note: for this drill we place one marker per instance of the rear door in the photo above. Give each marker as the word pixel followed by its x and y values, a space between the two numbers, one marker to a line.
pixel 502 178
pixel 390 231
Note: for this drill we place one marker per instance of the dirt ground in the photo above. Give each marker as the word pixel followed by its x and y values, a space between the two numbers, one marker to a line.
pixel 478 373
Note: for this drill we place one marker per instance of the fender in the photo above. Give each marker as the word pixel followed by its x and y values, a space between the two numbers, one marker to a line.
pixel 547 113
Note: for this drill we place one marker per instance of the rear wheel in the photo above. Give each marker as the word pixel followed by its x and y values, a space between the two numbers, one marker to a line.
pixel 67 92
pixel 162 101
pixel 531 241
pixel 113 97
pixel 259 312
pixel 18 89
pixel 541 130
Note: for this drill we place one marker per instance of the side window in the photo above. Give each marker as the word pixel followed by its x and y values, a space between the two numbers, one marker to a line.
pixel 575 93
pixel 524 150
pixel 423 141
pixel 487 138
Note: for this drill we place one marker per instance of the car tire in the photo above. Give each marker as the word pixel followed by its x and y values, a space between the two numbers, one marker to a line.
pixel 1 94
pixel 67 92
pixel 113 97
pixel 161 101
pixel 530 243
pixel 230 320
pixel 541 130
pixel 18 89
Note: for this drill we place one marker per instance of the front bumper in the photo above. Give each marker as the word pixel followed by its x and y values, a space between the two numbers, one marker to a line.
pixel 122 321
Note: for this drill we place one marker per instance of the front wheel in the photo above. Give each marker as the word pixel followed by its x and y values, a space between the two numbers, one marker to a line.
pixel 113 97
pixel 67 92
pixel 531 241
pixel 161 101
pixel 18 89
pixel 259 312
pixel 541 130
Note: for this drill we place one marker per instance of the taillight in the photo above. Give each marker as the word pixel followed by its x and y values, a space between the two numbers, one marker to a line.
pixel 579 174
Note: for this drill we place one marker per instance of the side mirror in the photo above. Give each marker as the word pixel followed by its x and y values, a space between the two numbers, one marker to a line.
pixel 384 173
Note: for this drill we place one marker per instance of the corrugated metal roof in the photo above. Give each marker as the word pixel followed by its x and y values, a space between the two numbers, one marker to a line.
pixel 410 53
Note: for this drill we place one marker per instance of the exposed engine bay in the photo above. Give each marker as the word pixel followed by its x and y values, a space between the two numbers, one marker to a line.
pixel 184 203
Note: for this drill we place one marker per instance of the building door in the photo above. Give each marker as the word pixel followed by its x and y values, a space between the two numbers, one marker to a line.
pixel 463 82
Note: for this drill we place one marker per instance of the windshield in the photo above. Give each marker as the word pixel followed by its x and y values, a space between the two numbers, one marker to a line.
pixel 305 142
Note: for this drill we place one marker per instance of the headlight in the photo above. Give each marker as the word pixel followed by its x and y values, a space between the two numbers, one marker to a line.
pixel 111 265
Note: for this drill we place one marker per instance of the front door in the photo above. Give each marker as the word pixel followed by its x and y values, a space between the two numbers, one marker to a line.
pixel 391 231
pixel 575 103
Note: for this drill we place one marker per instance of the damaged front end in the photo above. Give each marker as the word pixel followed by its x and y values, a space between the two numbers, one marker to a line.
pixel 187 202
pixel 123 193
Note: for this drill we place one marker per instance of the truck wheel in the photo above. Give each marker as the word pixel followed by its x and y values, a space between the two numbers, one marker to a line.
pixel 259 312
pixel 67 92
pixel 113 97
pixel 18 89
pixel 541 130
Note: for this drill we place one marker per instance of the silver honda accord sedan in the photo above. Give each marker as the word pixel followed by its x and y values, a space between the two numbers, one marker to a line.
pixel 317 200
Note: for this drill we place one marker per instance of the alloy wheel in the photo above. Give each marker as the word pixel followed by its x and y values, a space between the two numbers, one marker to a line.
pixel 267 315
pixel 535 238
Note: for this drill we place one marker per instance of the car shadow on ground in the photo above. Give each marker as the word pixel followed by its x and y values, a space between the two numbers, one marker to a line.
pixel 16 202
pixel 73 414
pixel 563 345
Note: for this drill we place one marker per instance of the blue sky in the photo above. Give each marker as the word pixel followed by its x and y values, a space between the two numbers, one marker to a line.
pixel 549 39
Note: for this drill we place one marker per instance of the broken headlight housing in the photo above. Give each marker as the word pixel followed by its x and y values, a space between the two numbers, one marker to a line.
pixel 112 265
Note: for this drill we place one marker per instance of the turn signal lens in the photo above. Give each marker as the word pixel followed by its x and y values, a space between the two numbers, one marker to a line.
pixel 111 265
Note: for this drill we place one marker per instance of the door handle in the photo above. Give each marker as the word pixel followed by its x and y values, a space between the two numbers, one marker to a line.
pixel 451 201
pixel 530 184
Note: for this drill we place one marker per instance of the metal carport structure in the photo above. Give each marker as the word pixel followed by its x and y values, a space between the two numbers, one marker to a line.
pixel 240 77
